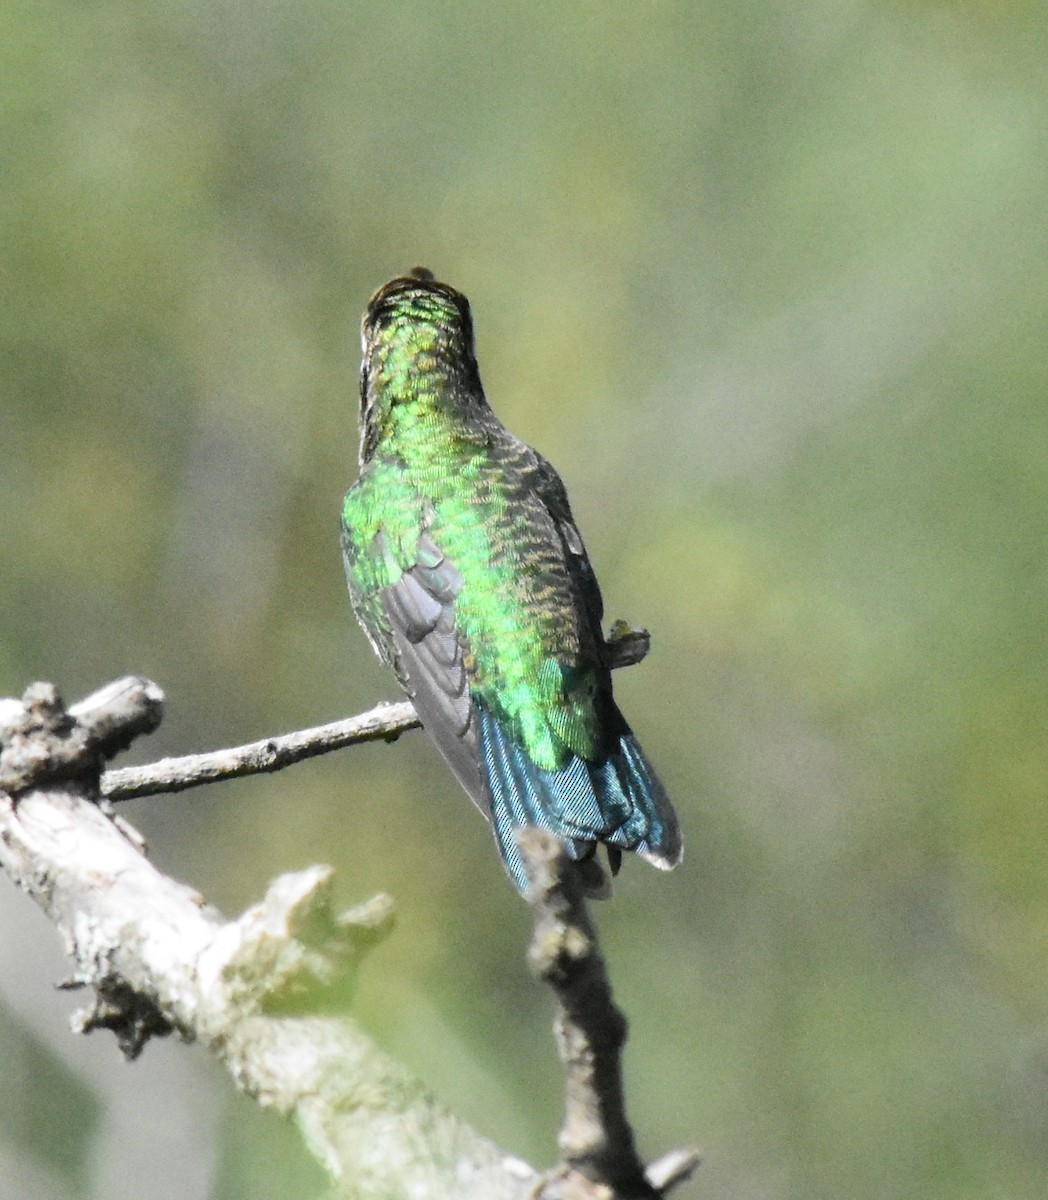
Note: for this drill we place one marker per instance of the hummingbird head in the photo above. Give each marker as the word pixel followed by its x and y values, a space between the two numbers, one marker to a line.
pixel 417 296
pixel 417 343
pixel 416 322
pixel 417 337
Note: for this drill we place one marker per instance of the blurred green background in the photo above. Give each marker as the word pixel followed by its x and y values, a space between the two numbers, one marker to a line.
pixel 768 283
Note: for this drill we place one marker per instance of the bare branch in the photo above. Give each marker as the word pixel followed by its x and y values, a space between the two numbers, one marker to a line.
pixel 386 722
pixel 160 960
pixel 596 1138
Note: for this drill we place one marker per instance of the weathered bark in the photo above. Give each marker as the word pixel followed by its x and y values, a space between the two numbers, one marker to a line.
pixel 159 960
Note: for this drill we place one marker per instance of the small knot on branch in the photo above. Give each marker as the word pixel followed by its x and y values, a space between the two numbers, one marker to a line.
pixel 133 1017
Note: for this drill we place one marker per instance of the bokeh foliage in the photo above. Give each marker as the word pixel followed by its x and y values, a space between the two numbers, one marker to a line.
pixel 768 283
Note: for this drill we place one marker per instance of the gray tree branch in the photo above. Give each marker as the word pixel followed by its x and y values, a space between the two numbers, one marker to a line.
pixel 159 960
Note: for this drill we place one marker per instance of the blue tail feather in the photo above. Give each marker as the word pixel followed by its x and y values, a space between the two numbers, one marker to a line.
pixel 617 800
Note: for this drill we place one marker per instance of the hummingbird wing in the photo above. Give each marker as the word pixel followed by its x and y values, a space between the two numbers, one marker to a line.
pixel 589 603
pixel 637 813
pixel 429 657
pixel 404 600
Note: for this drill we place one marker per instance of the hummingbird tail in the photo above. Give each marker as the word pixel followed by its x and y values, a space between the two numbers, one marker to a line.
pixel 618 800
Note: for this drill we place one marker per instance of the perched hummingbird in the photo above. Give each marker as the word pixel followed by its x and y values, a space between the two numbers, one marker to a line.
pixel 471 581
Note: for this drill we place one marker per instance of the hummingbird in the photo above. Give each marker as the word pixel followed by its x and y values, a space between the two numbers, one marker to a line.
pixel 468 575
